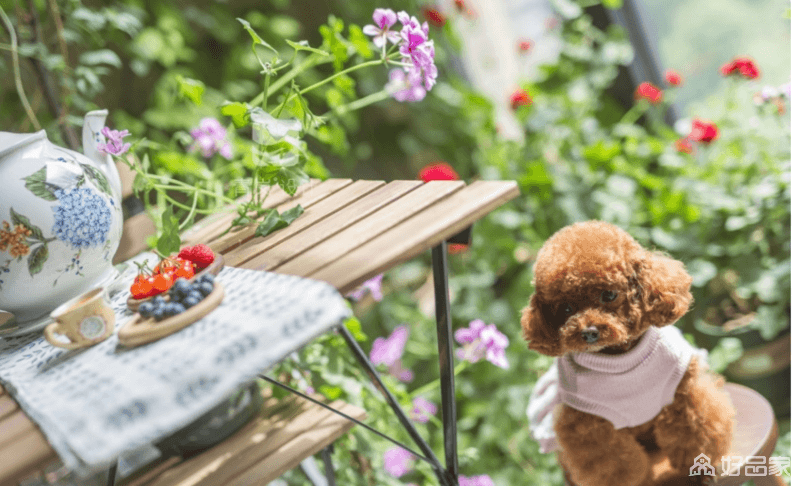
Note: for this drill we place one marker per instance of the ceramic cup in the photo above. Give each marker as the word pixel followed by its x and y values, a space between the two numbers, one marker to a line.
pixel 85 320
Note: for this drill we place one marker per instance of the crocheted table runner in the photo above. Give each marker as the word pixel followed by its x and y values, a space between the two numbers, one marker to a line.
pixel 95 404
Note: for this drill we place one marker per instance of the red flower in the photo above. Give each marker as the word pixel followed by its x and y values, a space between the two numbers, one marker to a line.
pixel 703 131
pixel 434 16
pixel 519 98
pixel 684 145
pixel 673 78
pixel 456 248
pixel 438 171
pixel 649 92
pixel 525 45
pixel 741 65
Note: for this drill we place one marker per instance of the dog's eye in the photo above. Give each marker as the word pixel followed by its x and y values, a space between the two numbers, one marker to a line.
pixel 566 309
pixel 608 296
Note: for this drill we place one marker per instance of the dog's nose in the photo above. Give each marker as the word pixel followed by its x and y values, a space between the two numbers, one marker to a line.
pixel 590 334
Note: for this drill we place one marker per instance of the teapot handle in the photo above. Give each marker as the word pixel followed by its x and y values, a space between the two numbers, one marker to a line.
pixel 93 123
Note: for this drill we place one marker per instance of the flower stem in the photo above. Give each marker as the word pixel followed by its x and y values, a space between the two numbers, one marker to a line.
pixel 308 62
pixel 360 103
pixel 461 366
pixel 376 62
pixel 17 78
pixel 636 111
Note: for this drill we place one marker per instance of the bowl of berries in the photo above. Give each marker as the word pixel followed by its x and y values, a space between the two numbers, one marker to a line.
pixel 191 263
pixel 185 302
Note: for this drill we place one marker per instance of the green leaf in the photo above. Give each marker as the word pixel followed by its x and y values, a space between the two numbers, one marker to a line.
pixel 257 40
pixel 728 350
pixel 275 128
pixel 97 177
pixel 181 163
pixel 333 41
pixel 170 241
pixel 36 183
pixel 191 89
pixel 239 112
pixel 289 179
pixel 273 221
pixel 291 214
pixel 102 56
pixel 37 258
pixel 354 326
pixel 303 46
pixel 612 4
pixel 360 42
pixel 330 392
pixel 17 218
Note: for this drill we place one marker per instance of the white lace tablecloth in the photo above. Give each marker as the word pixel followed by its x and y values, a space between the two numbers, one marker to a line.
pixel 95 404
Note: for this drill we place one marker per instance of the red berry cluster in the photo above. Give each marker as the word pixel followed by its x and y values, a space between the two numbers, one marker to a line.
pixel 190 260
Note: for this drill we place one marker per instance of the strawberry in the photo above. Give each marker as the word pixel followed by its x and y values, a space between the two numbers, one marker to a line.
pixel 202 256
pixel 186 253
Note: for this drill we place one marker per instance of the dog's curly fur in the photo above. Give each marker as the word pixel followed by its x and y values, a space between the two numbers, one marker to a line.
pixel 572 270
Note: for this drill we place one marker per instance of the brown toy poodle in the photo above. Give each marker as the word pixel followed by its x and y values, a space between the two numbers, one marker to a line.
pixel 624 386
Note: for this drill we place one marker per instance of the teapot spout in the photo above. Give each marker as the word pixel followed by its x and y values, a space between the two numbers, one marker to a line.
pixel 93 123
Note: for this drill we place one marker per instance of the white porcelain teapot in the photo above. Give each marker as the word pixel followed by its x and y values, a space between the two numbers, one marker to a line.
pixel 60 221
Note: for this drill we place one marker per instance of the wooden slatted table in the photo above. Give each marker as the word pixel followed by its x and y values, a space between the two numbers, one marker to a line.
pixel 350 231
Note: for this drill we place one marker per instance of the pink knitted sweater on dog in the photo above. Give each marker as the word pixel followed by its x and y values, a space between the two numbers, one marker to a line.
pixel 627 389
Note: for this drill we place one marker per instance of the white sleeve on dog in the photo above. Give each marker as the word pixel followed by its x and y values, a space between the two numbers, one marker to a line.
pixel 540 410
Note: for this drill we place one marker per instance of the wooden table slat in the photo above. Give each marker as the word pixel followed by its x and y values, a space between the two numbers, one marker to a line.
pixel 24 456
pixel 213 225
pixel 248 446
pixel 310 216
pixel 313 195
pixel 368 228
pixel 429 227
pixel 333 224
pixel 7 405
pixel 293 452
pixel 16 425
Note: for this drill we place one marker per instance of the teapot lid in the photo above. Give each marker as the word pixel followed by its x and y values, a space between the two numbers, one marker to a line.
pixel 12 141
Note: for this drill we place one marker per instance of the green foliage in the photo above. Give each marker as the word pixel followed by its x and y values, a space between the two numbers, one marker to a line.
pixel 723 210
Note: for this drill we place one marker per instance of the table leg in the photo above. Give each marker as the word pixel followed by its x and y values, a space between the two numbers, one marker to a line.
pixel 326 459
pixel 365 363
pixel 444 330
pixel 112 474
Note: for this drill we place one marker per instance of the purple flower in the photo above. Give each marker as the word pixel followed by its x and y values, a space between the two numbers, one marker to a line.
pixel 423 410
pixel 384 19
pixel 405 87
pixel 373 286
pixel 482 480
pixel 397 461
pixel 211 138
pixel 482 341
pixel 388 351
pixel 115 146
pixel 417 50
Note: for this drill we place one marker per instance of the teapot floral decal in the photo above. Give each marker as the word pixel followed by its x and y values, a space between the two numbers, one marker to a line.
pixel 82 218
pixel 60 219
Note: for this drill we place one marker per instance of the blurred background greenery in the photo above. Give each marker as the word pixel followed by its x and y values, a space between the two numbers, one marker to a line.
pixel 723 209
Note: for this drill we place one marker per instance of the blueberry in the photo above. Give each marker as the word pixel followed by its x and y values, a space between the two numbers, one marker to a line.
pixel 207 277
pixel 177 308
pixel 206 288
pixel 159 313
pixel 190 302
pixel 181 287
pixel 195 294
pixel 146 309
pixel 158 300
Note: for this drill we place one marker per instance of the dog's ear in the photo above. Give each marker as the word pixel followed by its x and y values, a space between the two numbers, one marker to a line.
pixel 664 289
pixel 540 336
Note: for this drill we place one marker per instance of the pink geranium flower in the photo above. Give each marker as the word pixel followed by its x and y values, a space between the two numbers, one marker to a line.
pixel 388 351
pixel 397 461
pixel 114 145
pixel 482 480
pixel 384 19
pixel 373 286
pixel 482 341
pixel 211 138
pixel 423 410
pixel 405 86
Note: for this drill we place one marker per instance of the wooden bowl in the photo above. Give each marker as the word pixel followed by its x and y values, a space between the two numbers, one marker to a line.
pixel 139 330
pixel 214 268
